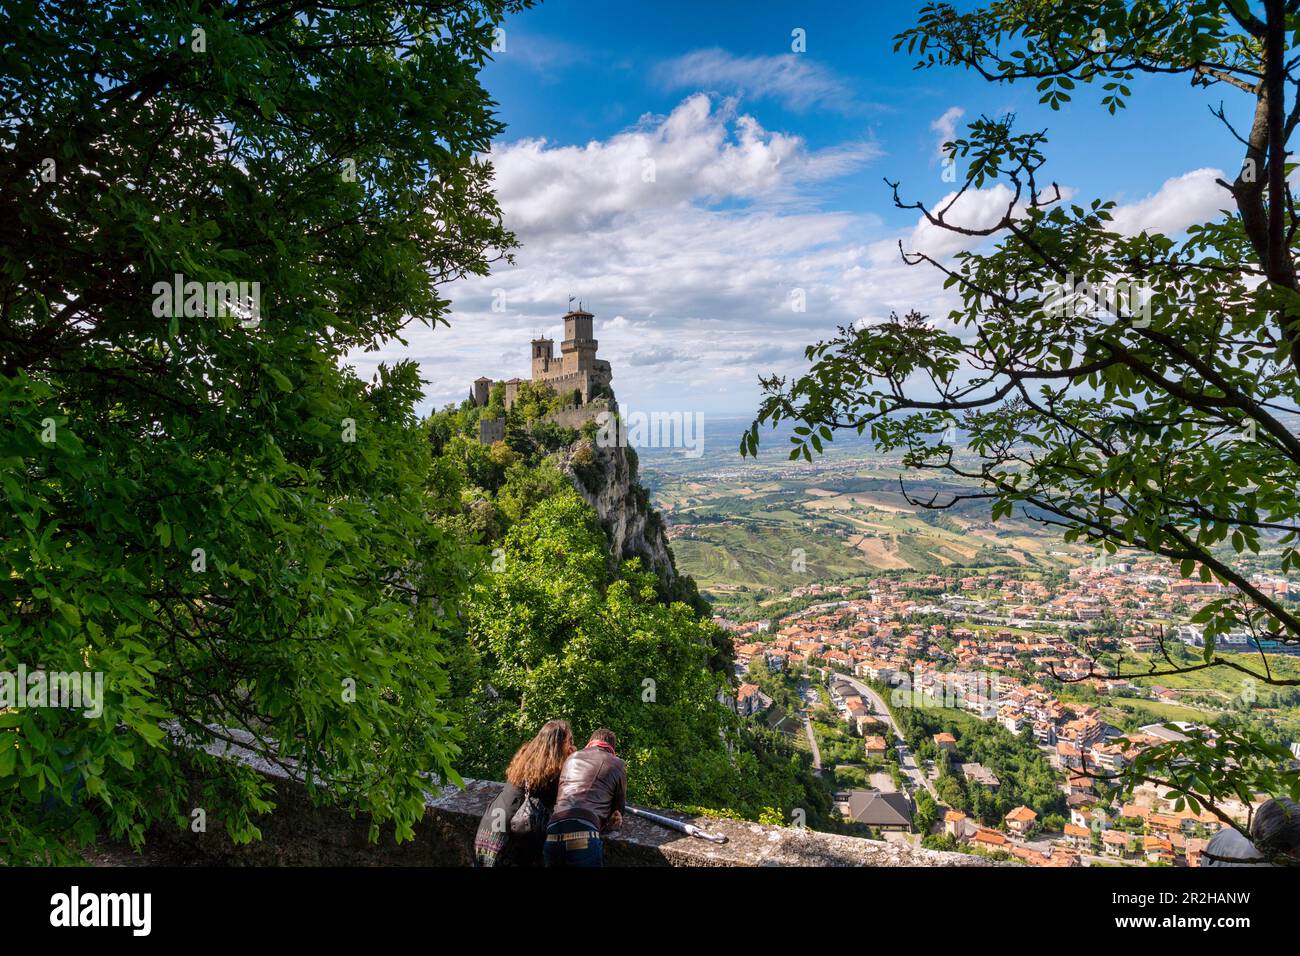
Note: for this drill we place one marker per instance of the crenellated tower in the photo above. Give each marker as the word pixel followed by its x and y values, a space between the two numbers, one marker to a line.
pixel 578 347
pixel 576 375
pixel 543 357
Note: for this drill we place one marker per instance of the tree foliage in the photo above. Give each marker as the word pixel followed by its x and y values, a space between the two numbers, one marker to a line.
pixel 204 506
pixel 1133 391
pixel 1024 775
pixel 555 633
pixel 555 628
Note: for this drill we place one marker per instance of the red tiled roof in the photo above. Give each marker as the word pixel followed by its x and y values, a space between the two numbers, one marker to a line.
pixel 1022 815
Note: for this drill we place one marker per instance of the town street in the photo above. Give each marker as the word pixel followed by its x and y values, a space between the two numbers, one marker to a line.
pixel 804 691
pixel 906 761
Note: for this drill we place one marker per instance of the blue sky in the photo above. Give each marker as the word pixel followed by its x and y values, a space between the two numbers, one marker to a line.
pixel 766 175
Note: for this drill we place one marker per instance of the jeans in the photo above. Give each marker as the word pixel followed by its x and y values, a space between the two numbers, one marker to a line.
pixel 573 843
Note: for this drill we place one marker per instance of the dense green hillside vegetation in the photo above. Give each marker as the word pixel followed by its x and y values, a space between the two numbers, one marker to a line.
pixel 554 628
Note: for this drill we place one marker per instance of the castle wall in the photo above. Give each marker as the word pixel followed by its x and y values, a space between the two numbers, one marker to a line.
pixel 569 363
pixel 577 417
pixel 575 369
pixel 567 382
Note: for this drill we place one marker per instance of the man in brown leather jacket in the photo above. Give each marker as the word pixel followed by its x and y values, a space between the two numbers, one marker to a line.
pixel 592 795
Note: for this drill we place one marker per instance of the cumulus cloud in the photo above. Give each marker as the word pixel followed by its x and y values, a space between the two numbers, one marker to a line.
pixel 717 270
pixel 1180 202
pixel 793 80
pixel 946 126
pixel 690 272
pixel 696 276
pixel 701 152
pixel 657 356
pixel 973 209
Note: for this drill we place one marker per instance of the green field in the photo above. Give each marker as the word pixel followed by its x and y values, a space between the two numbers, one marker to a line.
pixel 1205 695
pixel 766 530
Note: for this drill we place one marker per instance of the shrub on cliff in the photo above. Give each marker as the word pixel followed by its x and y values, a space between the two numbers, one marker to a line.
pixel 556 633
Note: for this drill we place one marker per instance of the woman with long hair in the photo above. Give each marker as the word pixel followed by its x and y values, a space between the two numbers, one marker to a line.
pixel 513 830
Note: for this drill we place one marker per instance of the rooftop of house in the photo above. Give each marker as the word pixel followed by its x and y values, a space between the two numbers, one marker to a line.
pixel 979 773
pixel 877 808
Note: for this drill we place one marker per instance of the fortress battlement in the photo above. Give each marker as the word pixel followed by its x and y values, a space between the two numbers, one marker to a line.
pixel 576 375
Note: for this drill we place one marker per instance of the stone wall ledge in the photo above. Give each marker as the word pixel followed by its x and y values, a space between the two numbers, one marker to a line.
pixel 299 833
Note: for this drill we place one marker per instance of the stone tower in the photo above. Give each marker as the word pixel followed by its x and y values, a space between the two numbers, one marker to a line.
pixel 543 357
pixel 576 375
pixel 578 342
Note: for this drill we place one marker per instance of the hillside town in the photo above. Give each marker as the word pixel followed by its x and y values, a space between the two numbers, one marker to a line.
pixel 987 647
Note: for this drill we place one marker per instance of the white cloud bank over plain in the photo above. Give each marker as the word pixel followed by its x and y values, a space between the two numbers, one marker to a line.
pixel 686 235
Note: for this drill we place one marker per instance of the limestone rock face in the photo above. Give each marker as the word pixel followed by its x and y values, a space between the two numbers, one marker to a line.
pixel 606 479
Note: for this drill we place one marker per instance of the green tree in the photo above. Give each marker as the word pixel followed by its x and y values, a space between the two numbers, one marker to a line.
pixel 927 812
pixel 951 792
pixel 202 504
pixel 1130 391
pixel 533 400
pixel 556 633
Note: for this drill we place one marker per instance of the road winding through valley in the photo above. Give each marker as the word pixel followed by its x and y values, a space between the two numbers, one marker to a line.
pixel 906 760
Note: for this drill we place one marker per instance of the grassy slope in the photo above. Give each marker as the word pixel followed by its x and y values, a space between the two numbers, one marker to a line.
pixel 746 531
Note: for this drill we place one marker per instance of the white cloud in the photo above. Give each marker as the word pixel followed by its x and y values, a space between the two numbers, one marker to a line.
pixel 698 152
pixel 946 126
pixel 973 209
pixel 792 79
pixel 690 276
pixel 1180 202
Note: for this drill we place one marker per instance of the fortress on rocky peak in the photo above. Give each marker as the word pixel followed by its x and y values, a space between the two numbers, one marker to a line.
pixel 576 375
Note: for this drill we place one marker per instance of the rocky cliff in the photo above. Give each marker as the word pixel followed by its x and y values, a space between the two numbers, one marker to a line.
pixel 607 480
